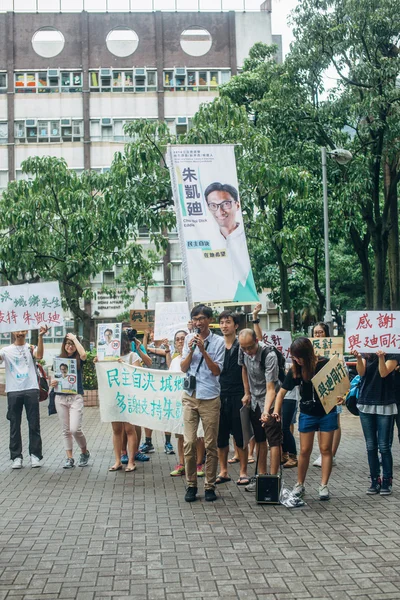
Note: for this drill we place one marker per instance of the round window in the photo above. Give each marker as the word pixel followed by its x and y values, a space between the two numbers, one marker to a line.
pixel 196 41
pixel 122 41
pixel 48 42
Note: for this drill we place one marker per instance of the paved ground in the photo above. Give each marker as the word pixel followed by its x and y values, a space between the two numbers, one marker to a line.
pixel 88 534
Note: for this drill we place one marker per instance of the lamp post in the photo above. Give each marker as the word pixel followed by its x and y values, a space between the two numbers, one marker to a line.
pixel 342 157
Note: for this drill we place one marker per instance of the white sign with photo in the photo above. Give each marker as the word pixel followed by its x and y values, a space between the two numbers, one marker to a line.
pixel 109 341
pixel 170 317
pixel 65 372
pixel 210 224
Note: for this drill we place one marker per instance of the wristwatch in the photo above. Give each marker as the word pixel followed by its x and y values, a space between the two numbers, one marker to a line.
pixel 255 321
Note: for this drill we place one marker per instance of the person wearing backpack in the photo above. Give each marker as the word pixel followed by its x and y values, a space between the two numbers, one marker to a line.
pixel 260 372
pixel 22 388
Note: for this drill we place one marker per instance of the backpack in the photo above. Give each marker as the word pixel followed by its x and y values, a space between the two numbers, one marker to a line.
pixel 352 396
pixel 280 357
pixel 41 377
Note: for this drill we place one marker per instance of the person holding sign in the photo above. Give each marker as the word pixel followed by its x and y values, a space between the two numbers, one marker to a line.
pixel 321 330
pixel 377 407
pixel 70 405
pixel 312 413
pixel 22 389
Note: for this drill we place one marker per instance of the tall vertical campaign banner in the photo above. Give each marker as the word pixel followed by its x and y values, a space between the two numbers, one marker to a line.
pixel 210 224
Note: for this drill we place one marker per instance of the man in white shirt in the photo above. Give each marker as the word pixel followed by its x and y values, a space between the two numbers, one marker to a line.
pixel 22 389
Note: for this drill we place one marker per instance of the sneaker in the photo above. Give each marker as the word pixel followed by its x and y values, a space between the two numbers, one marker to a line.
pixel 146 448
pixel 84 459
pixel 299 490
pixel 178 471
pixel 17 463
pixel 317 462
pixel 210 495
pixel 69 463
pixel 35 462
pixel 124 459
pixel 191 494
pixel 200 471
pixel 333 461
pixel 386 487
pixel 323 492
pixel 140 457
pixel 291 462
pixel 251 487
pixel 169 449
pixel 375 487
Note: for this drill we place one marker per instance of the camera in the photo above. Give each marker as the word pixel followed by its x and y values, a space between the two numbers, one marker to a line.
pixel 131 333
pixel 189 383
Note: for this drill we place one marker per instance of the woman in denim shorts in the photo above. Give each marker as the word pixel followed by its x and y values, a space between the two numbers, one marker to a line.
pixel 312 414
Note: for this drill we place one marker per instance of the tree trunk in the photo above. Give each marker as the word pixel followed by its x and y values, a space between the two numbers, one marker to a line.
pixel 393 236
pixel 318 291
pixel 284 285
pixel 73 295
pixel 361 245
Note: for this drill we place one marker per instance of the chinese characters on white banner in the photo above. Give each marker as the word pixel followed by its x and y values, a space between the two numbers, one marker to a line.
pixel 145 397
pixel 370 331
pixel 170 317
pixel 30 306
pixel 214 249
pixel 282 340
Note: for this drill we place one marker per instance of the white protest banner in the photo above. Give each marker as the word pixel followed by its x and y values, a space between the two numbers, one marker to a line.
pixel 146 397
pixel 369 331
pixel 65 372
pixel 109 341
pixel 30 306
pixel 169 318
pixel 330 382
pixel 328 346
pixel 282 340
pixel 210 225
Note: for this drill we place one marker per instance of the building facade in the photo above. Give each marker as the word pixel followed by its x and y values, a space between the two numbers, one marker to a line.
pixel 70 81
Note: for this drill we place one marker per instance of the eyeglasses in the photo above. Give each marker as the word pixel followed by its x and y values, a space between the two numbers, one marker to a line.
pixel 198 319
pixel 225 205
pixel 179 339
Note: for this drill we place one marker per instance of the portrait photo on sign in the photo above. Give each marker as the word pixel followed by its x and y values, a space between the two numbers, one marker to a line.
pixel 65 373
pixel 108 341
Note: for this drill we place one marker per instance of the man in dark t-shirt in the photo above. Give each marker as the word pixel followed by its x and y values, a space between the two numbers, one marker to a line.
pixel 232 392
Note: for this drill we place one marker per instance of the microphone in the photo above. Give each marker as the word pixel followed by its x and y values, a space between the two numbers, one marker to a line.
pixel 197 331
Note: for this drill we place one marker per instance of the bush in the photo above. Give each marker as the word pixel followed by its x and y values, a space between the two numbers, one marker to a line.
pixel 89 377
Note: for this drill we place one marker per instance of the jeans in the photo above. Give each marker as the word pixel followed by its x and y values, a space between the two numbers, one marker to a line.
pixel 396 420
pixel 377 430
pixel 16 402
pixel 288 410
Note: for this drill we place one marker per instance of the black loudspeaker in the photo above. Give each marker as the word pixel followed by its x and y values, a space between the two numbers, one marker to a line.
pixel 268 489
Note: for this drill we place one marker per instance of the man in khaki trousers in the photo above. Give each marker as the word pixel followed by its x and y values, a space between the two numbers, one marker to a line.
pixel 202 361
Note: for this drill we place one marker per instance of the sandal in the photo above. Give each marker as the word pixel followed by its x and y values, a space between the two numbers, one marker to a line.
pixel 119 468
pixel 251 461
pixel 233 460
pixel 221 479
pixel 130 469
pixel 243 480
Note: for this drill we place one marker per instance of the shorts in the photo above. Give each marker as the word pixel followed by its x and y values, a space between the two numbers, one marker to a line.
pixel 229 421
pixel 339 409
pixel 272 432
pixel 308 423
pixel 293 421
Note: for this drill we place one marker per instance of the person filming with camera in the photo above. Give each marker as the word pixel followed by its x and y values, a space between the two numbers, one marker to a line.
pixel 202 361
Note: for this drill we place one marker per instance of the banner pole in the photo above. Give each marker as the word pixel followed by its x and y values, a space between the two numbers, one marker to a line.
pixel 179 225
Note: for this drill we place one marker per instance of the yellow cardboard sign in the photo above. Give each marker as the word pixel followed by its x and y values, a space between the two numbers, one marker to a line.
pixel 330 382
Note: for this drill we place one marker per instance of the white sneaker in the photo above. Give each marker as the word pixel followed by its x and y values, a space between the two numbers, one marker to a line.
pixel 35 462
pixel 17 463
pixel 317 462
pixel 298 490
pixel 323 492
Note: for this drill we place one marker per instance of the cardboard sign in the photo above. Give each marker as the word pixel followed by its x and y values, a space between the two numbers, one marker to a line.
pixel 109 341
pixel 170 317
pixel 331 381
pixel 142 319
pixel 370 331
pixel 282 340
pixel 30 306
pixel 328 346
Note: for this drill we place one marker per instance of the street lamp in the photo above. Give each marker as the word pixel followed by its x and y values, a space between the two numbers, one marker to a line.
pixel 342 157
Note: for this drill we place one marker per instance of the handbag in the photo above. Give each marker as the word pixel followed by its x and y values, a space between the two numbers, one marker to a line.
pixel 352 396
pixel 43 383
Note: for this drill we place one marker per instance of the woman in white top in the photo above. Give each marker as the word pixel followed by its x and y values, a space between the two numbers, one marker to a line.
pixel 118 427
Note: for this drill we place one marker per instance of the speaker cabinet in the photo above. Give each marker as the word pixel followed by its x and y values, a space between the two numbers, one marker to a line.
pixel 268 488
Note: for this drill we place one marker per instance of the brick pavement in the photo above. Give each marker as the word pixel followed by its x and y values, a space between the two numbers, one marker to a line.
pixel 86 534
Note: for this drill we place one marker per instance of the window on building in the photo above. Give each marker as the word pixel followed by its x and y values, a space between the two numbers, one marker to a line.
pixel 176 274
pixel 130 80
pixel 107 129
pixel 158 274
pixel 3 83
pixel 194 80
pixel 3 180
pixel 179 125
pixel 3 132
pixel 44 131
pixel 108 277
pixel 48 81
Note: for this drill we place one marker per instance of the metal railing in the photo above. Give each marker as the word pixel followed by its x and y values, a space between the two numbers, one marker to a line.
pixel 71 6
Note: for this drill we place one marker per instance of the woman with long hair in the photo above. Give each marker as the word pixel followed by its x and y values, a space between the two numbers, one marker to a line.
pixel 118 427
pixel 377 407
pixel 321 330
pixel 312 414
pixel 70 406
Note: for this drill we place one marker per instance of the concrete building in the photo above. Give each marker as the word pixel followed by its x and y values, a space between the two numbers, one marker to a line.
pixel 70 81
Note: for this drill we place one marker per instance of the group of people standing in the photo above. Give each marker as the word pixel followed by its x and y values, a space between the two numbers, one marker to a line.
pixel 223 374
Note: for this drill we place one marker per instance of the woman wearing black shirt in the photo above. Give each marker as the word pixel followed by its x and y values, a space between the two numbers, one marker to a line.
pixel 312 414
